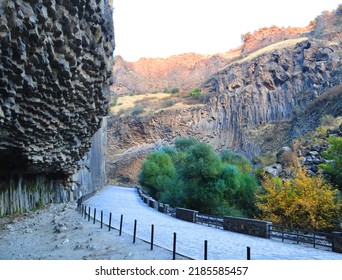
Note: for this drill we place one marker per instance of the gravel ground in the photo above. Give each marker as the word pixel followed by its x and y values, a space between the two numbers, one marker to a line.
pixel 58 232
pixel 190 237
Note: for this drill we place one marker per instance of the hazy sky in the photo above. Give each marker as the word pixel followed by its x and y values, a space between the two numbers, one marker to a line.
pixel 160 28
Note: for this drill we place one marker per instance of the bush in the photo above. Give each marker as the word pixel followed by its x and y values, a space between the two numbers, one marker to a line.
pixel 334 168
pixel 174 90
pixel 237 159
pixel 304 202
pixel 168 103
pixel 288 159
pixel 166 90
pixel 137 110
pixel 199 179
pixel 195 93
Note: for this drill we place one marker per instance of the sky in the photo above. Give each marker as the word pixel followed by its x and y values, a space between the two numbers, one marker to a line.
pixel 161 28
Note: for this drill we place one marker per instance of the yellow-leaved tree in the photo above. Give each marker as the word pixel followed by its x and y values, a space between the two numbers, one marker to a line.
pixel 305 202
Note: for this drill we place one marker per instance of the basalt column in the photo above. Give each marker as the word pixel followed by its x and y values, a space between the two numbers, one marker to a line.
pixel 55 72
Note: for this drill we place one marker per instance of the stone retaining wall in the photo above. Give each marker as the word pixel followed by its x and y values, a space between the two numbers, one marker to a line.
pixel 186 214
pixel 247 226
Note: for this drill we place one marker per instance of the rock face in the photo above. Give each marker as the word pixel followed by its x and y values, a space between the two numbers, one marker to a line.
pixel 269 35
pixel 253 102
pixel 55 72
pixel 268 89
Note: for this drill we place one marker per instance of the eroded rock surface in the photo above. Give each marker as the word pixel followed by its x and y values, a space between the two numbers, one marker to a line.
pixel 253 106
pixel 54 78
pixel 55 73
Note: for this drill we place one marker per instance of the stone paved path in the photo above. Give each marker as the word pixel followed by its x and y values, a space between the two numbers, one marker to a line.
pixel 190 237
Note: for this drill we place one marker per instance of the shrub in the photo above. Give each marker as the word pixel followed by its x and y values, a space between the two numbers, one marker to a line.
pixel 303 202
pixel 334 168
pixel 195 93
pixel 137 110
pixel 237 159
pixel 166 90
pixel 168 103
pixel 174 90
pixel 288 159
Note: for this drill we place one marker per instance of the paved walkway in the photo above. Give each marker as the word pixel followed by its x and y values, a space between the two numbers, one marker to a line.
pixel 222 245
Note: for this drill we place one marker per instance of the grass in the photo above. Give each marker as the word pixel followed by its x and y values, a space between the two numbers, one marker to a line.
pixel 152 103
pixel 268 49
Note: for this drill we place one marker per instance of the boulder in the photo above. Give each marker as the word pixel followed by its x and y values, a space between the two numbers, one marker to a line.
pixel 274 169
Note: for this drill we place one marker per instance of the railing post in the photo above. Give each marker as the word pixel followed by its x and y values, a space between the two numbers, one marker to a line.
pixel 85 211
pixel 269 231
pixel 152 236
pixel 94 215
pixel 282 234
pixel 88 213
pixel 135 230
pixel 297 235
pixel 101 218
pixel 248 253
pixel 121 220
pixel 205 249
pixel 110 221
pixel 174 246
pixel 314 240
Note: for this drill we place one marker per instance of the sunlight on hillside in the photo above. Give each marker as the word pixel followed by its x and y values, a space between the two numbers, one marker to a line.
pixel 270 48
pixel 148 103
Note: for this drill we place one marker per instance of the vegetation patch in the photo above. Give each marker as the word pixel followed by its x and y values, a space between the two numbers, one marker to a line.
pixel 192 175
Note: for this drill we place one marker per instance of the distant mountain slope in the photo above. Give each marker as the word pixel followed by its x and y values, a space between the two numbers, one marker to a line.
pixel 258 96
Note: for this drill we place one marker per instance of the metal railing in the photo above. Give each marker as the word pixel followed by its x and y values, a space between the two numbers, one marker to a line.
pixel 210 221
pixel 295 235
pixel 97 217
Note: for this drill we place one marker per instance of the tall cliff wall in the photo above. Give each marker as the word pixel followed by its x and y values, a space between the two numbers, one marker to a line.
pixel 252 106
pixel 55 73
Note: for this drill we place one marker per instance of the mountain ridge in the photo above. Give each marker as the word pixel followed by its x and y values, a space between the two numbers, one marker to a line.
pixel 254 98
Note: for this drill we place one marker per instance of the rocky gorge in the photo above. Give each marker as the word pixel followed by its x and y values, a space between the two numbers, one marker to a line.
pixel 256 105
pixel 55 73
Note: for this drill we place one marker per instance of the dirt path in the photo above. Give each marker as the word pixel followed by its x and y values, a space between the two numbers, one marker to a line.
pixel 58 232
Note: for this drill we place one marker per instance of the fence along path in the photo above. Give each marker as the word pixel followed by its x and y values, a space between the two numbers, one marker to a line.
pixel 190 236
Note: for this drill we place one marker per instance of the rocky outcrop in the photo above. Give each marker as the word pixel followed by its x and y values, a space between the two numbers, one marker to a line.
pixel 327 26
pixel 268 90
pixel 55 72
pixel 252 106
pixel 269 35
pixel 54 82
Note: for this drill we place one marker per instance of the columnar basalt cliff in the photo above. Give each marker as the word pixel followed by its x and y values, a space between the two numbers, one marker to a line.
pixel 252 107
pixel 55 73
pixel 253 98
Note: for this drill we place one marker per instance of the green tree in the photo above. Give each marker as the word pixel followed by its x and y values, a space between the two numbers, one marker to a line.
pixel 192 175
pixel 157 173
pixel 237 159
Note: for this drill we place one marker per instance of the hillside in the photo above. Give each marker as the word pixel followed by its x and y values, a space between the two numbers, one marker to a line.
pixel 255 98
